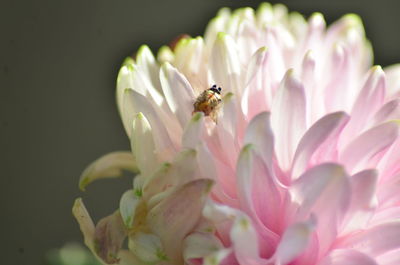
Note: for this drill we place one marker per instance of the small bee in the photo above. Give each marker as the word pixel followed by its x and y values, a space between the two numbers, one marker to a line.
pixel 208 102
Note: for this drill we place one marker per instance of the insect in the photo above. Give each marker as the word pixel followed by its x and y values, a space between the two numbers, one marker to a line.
pixel 208 102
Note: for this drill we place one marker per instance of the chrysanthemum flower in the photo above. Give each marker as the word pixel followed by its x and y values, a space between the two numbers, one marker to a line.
pixel 301 165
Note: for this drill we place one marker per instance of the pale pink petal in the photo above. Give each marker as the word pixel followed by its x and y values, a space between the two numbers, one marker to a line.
pixel 108 166
pixel 389 111
pixel 167 175
pixel 224 64
pixel 259 133
pixel 142 144
pixel 245 242
pixel 288 118
pixel 363 200
pixel 134 103
pixel 257 190
pixel 388 192
pixel 173 82
pixel 177 215
pixel 393 80
pixel 322 130
pixel 147 64
pixel 376 240
pixel 192 133
pixel 227 129
pixel 390 258
pixel 358 153
pixel 326 184
pixel 389 166
pixel 348 257
pixel 372 95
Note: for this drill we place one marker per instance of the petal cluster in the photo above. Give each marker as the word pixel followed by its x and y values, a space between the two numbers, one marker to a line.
pixel 301 166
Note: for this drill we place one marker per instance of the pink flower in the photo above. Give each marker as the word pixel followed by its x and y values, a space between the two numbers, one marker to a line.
pixel 301 165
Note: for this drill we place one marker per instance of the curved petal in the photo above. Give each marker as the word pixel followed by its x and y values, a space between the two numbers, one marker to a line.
pixel 109 235
pixel 358 153
pixel 108 166
pixel 326 127
pixel 127 207
pixel 294 241
pixel 348 257
pixel 200 245
pixel 178 92
pixel 142 144
pixel 147 247
pixel 288 118
pixel 193 130
pixel 376 240
pixel 85 223
pixel 225 65
pixel 178 214
pixel 390 258
pixel 325 184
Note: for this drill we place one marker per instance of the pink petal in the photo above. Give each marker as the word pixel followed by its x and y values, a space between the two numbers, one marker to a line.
pixel 363 187
pixel 393 80
pixel 376 240
pixel 178 214
pixel 294 241
pixel 108 166
pixel 389 165
pixel 325 184
pixel 348 257
pixel 372 96
pixel 257 192
pixel 358 153
pixel 325 128
pixel 288 118
pixel 389 111
pixel 390 258
pixel 245 242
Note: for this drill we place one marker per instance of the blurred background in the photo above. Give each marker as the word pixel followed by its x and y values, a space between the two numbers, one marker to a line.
pixel 58 65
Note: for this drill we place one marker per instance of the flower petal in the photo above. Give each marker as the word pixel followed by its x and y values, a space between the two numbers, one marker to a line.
pixel 393 80
pixel 348 257
pixel 324 129
pixel 371 96
pixel 294 241
pixel 358 153
pixel 108 166
pixel 147 247
pixel 147 63
pixel 178 214
pixel 180 171
pixel 389 111
pixel 390 258
pixel 133 103
pixel 178 92
pixel 225 65
pixel 127 207
pixel 288 118
pixel 200 245
pixel 363 187
pixel 142 144
pixel 85 223
pixel 193 130
pixel 325 184
pixel 109 235
pixel 245 242
pixel 376 240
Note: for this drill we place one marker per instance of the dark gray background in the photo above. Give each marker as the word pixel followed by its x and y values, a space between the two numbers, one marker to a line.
pixel 59 61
